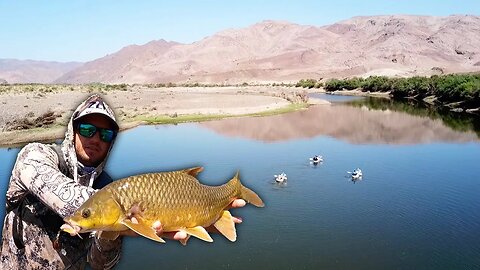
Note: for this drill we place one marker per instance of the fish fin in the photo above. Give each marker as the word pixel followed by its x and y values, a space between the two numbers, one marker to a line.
pixel 193 171
pixel 142 229
pixel 109 235
pixel 198 232
pixel 226 226
pixel 246 193
pixel 251 197
pixel 184 241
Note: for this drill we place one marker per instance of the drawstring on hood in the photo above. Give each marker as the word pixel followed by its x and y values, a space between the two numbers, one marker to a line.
pixel 92 177
pixel 85 170
pixel 82 174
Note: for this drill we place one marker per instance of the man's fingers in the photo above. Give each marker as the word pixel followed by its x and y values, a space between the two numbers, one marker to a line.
pixel 238 203
pixel 175 235
pixel 180 235
pixel 237 220
pixel 157 226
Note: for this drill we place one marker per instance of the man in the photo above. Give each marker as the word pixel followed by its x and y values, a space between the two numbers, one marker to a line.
pixel 49 183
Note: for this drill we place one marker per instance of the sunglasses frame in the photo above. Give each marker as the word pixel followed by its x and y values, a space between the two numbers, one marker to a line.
pixel 103 132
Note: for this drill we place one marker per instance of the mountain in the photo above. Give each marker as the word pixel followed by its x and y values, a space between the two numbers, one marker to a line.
pixel 130 64
pixel 29 71
pixel 412 44
pixel 273 51
pixel 397 45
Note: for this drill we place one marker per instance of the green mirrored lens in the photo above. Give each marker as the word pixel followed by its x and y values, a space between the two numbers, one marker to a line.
pixel 87 130
pixel 107 135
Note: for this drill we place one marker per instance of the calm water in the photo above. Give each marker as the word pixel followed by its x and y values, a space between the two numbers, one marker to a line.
pixel 334 98
pixel 417 206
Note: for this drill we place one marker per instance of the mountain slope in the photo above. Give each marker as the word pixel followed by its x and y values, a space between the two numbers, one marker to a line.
pixel 126 65
pixel 29 71
pixel 396 45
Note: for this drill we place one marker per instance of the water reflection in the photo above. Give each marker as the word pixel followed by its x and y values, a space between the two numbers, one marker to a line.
pixel 456 121
pixel 416 207
pixel 354 124
pixel 334 98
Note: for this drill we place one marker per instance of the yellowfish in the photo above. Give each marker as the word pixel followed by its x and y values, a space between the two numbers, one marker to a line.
pixel 176 199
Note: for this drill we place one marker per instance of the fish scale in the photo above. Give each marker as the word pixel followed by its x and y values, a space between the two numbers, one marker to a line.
pixel 192 197
pixel 176 199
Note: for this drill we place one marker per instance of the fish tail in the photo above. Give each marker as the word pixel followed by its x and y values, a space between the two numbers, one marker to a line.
pixel 247 194
pixel 251 197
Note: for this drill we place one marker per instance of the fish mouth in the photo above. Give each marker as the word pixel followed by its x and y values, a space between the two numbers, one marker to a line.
pixel 71 228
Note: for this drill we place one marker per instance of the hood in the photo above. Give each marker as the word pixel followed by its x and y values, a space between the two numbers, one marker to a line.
pixel 82 174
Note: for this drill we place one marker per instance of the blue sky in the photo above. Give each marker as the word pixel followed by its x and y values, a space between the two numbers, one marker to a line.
pixel 82 30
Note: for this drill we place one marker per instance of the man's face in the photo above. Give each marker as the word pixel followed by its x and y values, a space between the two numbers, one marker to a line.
pixel 92 151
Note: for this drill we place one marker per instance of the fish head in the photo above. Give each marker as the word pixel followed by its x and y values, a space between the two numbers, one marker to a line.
pixel 99 213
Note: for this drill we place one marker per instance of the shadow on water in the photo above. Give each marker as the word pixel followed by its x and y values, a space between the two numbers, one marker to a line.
pixel 462 122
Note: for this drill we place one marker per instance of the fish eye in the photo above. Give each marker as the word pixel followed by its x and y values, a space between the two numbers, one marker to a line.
pixel 86 213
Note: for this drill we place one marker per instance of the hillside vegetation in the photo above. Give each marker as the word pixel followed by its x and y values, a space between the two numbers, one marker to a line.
pixel 458 91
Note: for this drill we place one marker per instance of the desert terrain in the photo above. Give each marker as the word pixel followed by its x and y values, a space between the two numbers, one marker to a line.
pixel 266 53
pixel 37 115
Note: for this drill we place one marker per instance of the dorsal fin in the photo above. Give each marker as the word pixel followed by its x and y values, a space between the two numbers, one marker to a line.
pixel 193 171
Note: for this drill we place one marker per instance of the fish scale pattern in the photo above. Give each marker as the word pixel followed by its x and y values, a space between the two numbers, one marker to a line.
pixel 176 199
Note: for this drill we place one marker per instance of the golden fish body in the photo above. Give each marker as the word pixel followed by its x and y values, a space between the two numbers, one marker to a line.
pixel 176 199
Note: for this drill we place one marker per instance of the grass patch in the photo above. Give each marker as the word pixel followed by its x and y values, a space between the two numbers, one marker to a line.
pixel 167 119
pixel 290 108
pixel 186 118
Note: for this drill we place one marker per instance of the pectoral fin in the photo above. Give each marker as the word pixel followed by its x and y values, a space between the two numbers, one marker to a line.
pixel 226 226
pixel 198 232
pixel 109 235
pixel 142 229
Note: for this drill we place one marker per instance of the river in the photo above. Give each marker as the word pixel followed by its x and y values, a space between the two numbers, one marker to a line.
pixel 416 206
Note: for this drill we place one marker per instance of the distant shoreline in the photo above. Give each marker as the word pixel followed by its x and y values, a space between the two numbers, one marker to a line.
pixel 40 113
pixel 457 92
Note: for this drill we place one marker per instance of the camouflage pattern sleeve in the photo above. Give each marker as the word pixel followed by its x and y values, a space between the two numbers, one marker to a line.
pixel 104 254
pixel 37 170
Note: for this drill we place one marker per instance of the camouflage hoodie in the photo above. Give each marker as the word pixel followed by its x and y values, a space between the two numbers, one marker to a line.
pixel 48 184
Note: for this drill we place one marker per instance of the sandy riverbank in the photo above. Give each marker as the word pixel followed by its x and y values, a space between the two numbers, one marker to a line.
pixel 27 116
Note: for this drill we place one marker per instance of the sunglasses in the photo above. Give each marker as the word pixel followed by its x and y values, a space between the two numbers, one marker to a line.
pixel 89 130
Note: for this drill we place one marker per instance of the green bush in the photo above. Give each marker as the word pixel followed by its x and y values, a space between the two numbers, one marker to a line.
pixel 377 84
pixel 447 88
pixel 308 83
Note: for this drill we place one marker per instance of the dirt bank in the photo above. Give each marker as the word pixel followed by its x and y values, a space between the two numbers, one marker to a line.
pixel 37 114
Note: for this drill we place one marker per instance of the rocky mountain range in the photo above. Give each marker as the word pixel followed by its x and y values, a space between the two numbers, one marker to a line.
pixel 30 71
pixel 274 51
